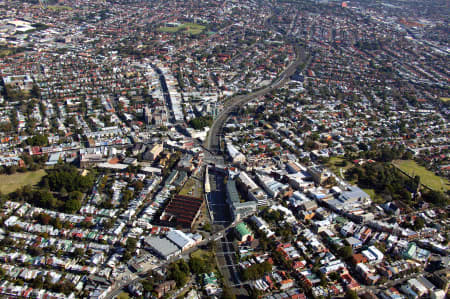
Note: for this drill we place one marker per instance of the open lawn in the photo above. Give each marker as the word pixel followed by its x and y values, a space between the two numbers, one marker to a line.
pixel 59 7
pixel 56 7
pixel 192 187
pixel 203 254
pixel 5 52
pixel 188 28
pixel 10 183
pixel 187 187
pixel 427 177
pixel 336 165
pixel 169 29
pixel 376 198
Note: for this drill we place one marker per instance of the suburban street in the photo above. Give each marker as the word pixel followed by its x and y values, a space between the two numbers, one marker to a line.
pixel 213 140
pixel 133 277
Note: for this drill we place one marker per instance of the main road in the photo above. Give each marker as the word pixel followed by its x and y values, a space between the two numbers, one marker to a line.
pixel 213 140
pixel 213 145
pixel 120 285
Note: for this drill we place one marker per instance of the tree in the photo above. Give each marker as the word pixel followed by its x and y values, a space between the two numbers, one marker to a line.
pixel 72 205
pixel 207 227
pixel 131 244
pixel 78 252
pixel 346 252
pixel 179 272
pixel 212 245
pixel 138 185
pixel 436 197
pixel 123 295
pixel 67 177
pixel 35 251
pixel 37 140
pixel 201 122
pixel 11 169
pixel 256 271
pixel 148 285
pixel 44 199
pixel 330 181
pixel 37 283
pixel 228 294
pixel 197 265
pixel 76 195
pixel 418 224
pixel 56 223
pixel 44 219
pixel 351 295
pixel 126 256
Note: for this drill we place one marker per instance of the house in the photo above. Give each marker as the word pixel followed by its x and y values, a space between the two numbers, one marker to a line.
pixel 164 288
pixel 359 258
pixel 373 255
pixel 286 284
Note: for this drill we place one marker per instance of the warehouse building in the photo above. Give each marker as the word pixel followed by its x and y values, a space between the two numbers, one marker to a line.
pixel 180 239
pixel 182 211
pixel 162 247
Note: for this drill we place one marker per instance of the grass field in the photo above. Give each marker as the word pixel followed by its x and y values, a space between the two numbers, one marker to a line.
pixel 59 7
pixel 4 53
pixel 335 165
pixel 169 29
pixel 10 183
pixel 445 99
pixel 188 28
pixel 56 7
pixel 192 187
pixel 427 177
pixel 373 196
pixel 187 187
pixel 203 254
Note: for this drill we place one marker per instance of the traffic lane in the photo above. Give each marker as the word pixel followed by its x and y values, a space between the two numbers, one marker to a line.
pixel 213 138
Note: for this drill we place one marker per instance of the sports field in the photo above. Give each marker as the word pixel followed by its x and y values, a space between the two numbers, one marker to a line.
pixel 427 177
pixel 56 7
pixel 10 183
pixel 188 28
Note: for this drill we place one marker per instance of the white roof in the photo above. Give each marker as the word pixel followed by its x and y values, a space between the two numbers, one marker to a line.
pixel 376 252
pixel 247 180
pixel 180 238
pixel 232 150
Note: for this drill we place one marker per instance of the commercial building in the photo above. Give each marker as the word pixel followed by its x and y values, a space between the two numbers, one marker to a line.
pixel 162 247
pixel 182 211
pixel 154 152
pixel 238 209
pixel 180 239
pixel 236 156
pixel 243 233
pixel 255 192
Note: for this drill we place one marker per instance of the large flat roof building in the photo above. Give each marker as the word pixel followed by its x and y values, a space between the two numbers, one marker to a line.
pixel 182 210
pixel 162 247
pixel 238 209
pixel 180 239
